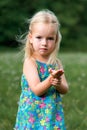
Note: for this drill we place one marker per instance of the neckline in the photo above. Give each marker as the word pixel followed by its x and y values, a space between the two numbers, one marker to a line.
pixel 44 61
pixel 41 62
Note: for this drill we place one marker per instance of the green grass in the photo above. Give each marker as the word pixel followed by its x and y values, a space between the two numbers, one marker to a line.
pixel 75 104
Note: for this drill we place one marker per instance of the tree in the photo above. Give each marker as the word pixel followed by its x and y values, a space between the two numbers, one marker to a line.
pixel 71 14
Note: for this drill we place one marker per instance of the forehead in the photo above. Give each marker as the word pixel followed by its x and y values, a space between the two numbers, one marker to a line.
pixel 48 28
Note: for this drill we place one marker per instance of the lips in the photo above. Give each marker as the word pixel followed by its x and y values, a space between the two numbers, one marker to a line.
pixel 43 49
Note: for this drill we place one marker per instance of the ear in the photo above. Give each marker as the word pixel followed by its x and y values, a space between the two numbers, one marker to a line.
pixel 30 37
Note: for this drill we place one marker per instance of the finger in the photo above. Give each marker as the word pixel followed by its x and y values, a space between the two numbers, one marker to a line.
pixel 55 81
pixel 60 72
pixel 57 73
pixel 51 71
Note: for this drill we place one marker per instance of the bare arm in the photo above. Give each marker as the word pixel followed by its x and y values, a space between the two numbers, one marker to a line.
pixel 63 86
pixel 30 71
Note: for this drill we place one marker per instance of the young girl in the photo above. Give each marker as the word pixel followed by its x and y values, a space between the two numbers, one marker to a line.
pixel 43 80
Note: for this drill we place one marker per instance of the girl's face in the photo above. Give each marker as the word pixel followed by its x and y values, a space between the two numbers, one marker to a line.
pixel 43 38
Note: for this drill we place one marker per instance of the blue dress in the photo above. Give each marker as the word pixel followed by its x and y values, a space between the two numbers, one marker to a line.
pixel 40 112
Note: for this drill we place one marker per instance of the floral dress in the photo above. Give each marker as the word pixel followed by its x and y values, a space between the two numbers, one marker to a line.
pixel 40 112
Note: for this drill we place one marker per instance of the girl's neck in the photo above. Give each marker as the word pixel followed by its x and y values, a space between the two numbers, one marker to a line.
pixel 40 58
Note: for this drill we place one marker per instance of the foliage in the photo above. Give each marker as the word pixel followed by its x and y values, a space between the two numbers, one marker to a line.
pixel 75 105
pixel 71 14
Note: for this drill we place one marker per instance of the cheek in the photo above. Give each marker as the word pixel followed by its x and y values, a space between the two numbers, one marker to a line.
pixel 35 45
pixel 53 45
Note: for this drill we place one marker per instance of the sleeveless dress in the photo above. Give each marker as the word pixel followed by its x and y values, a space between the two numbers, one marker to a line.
pixel 40 112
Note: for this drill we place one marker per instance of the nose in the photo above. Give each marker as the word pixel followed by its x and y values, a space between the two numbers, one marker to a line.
pixel 44 42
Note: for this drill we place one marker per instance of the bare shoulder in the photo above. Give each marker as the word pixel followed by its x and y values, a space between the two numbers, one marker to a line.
pixel 29 64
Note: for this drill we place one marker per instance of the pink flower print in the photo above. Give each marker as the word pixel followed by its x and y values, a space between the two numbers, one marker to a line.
pixel 47 119
pixel 29 89
pixel 42 69
pixel 28 101
pixel 31 120
pixel 58 118
pixel 42 105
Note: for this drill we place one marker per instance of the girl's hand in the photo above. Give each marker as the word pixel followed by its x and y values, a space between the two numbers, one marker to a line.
pixel 56 82
pixel 56 73
pixel 56 76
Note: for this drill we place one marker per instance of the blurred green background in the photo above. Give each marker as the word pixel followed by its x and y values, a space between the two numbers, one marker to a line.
pixel 73 53
pixel 71 14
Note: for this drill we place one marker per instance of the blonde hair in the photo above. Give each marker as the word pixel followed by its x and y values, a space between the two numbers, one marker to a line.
pixel 44 16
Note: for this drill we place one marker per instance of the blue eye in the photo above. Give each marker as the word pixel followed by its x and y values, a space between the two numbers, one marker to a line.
pixel 38 37
pixel 50 38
